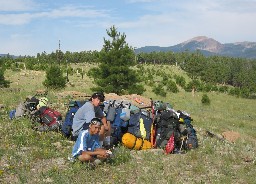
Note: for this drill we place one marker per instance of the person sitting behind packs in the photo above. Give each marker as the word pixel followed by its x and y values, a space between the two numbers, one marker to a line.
pixel 87 147
pixel 86 113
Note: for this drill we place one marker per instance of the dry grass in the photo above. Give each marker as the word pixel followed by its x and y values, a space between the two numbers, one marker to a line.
pixel 30 157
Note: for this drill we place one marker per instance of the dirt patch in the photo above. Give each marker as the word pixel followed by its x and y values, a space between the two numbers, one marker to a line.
pixel 73 94
pixel 231 136
pixel 47 164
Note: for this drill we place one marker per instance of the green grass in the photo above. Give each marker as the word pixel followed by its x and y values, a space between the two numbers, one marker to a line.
pixel 27 156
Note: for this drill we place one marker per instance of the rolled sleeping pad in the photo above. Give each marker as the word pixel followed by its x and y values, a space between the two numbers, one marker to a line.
pixel 132 142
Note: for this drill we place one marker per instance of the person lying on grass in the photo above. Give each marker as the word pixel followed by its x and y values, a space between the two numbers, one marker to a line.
pixel 87 147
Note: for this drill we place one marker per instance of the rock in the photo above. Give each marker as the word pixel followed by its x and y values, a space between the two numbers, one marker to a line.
pixel 231 136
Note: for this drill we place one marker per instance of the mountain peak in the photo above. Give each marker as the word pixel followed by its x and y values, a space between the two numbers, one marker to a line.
pixel 204 43
pixel 199 39
pixel 208 47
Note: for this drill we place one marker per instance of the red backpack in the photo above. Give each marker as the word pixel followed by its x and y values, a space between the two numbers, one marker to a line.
pixel 49 116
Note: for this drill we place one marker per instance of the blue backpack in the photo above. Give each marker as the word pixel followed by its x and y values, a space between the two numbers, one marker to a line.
pixel 66 128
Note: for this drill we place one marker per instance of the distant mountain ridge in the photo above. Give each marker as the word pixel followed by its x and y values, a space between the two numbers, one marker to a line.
pixel 208 47
pixel 5 55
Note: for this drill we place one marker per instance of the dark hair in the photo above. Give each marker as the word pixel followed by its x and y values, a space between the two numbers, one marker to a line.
pixel 96 121
pixel 98 95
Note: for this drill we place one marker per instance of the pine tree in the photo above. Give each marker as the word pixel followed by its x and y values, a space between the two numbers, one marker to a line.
pixel 3 83
pixel 54 78
pixel 114 73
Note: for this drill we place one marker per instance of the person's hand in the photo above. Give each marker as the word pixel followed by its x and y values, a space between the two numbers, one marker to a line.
pixel 104 153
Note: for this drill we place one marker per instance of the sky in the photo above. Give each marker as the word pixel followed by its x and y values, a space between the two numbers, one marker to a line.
pixel 28 27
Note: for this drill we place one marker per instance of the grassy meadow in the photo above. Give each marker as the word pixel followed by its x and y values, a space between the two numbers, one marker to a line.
pixel 27 156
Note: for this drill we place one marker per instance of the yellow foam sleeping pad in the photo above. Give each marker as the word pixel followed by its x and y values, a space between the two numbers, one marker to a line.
pixel 132 142
pixel 142 129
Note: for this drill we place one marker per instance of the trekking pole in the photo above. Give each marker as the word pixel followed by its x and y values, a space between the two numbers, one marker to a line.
pixel 152 126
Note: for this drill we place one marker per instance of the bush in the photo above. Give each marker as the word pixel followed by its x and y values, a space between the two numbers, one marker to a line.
pixel 207 87
pixel 245 93
pixel 172 87
pixel 180 80
pixel 205 99
pixel 3 83
pixel 159 90
pixel 54 78
pixel 234 92
pixel 194 84
pixel 223 89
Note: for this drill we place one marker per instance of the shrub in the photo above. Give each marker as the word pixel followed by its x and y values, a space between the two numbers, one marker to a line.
pixel 3 83
pixel 223 89
pixel 159 90
pixel 180 80
pixel 54 78
pixel 194 84
pixel 234 91
pixel 172 87
pixel 205 99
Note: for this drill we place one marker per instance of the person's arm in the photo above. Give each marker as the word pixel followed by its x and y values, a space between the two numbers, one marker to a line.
pixel 105 124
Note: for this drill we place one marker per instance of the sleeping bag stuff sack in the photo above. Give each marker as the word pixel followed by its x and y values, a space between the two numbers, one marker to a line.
pixel 132 142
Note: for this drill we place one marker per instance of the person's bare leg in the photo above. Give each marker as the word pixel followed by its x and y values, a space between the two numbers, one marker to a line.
pixel 85 157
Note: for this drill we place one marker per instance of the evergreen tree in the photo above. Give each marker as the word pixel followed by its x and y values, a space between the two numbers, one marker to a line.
pixel 114 73
pixel 54 78
pixel 3 83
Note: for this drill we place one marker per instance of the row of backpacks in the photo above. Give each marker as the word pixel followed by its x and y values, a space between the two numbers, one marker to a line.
pixel 156 126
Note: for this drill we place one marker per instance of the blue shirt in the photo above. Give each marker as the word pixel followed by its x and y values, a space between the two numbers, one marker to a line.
pixel 85 142
pixel 84 115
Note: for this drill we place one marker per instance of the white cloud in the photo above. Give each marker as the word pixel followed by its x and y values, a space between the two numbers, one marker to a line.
pixel 71 11
pixel 63 12
pixel 16 5
pixel 14 19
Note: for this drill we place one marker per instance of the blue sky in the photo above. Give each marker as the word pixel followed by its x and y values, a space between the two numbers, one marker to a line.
pixel 28 27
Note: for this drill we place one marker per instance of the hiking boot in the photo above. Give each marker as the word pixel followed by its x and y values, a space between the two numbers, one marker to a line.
pixel 97 162
pixel 108 146
pixel 71 158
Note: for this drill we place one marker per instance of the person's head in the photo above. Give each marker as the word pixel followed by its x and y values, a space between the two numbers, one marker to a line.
pixel 95 126
pixel 97 98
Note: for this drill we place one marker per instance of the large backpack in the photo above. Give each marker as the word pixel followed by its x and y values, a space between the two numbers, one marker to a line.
pixel 140 125
pixel 66 128
pixel 191 139
pixel 49 116
pixel 167 126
